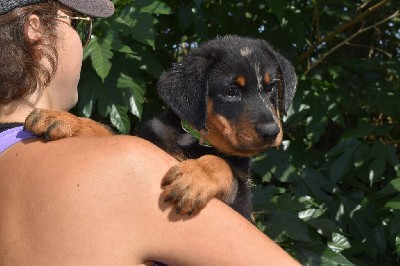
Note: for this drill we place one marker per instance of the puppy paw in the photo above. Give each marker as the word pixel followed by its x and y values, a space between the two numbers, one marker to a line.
pixel 56 124
pixel 191 184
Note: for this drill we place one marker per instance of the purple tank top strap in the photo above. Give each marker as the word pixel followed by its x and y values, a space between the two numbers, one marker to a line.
pixel 12 136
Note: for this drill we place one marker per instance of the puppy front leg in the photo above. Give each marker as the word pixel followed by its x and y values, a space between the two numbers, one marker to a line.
pixel 191 184
pixel 56 124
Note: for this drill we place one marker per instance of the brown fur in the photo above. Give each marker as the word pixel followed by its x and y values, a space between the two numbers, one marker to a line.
pixel 54 124
pixel 190 184
pixel 267 78
pixel 241 81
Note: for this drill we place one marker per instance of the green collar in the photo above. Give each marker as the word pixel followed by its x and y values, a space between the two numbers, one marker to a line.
pixel 198 135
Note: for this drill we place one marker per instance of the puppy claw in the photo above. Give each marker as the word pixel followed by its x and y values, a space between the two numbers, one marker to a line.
pixel 178 210
pixel 170 197
pixel 166 182
pixel 46 137
pixel 48 133
pixel 35 119
pixel 172 174
pixel 198 204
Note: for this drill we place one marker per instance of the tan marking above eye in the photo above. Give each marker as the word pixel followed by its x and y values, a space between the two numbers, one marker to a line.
pixel 267 78
pixel 241 81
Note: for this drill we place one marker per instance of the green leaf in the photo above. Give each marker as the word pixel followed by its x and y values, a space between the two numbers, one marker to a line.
pixel 89 48
pixel 360 218
pixel 395 224
pixel 108 96
pixel 343 145
pixel 287 201
pixel 343 164
pixel 125 49
pixel 317 184
pixel 363 129
pixel 262 196
pixel 392 188
pixel 276 164
pixel 394 203
pixel 397 243
pixel 277 7
pixel 379 243
pixel 316 125
pixel 376 169
pixel 88 89
pixel 151 65
pixel 314 254
pixel 153 7
pixel 326 227
pixel 287 173
pixel 101 55
pixel 335 114
pixel 291 224
pixel 140 26
pixel 310 214
pixel 119 118
pixel 274 232
pixel 134 93
pixel 339 242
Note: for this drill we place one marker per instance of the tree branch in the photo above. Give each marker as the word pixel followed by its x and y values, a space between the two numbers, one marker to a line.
pixel 322 58
pixel 342 28
pixel 371 48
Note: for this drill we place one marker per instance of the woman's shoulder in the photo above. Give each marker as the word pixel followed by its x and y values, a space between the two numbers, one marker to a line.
pixel 118 149
pixel 122 162
pixel 82 190
pixel 117 156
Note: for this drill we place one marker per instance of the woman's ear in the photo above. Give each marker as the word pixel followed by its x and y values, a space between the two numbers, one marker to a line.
pixel 32 28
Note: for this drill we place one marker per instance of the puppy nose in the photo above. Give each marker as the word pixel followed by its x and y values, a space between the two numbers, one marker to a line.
pixel 268 131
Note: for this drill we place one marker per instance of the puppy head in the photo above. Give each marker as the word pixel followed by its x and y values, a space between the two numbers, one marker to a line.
pixel 235 88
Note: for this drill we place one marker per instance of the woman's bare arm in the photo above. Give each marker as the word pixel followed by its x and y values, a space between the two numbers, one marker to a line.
pixel 97 201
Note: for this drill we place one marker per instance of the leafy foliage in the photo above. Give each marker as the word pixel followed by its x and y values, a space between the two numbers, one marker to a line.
pixel 330 194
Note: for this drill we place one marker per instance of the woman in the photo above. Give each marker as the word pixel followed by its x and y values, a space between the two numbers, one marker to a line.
pixel 91 200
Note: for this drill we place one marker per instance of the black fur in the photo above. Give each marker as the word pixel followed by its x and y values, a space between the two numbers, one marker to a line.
pixel 207 73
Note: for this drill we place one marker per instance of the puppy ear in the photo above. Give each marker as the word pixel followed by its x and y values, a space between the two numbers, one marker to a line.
pixel 288 79
pixel 184 88
pixel 289 83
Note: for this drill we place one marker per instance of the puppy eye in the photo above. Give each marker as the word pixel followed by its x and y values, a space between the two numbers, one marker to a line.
pixel 270 86
pixel 232 91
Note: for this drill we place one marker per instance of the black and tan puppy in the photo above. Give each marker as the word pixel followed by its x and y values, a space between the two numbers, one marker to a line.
pixel 225 99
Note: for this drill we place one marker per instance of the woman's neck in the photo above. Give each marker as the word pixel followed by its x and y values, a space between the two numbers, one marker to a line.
pixel 14 113
pixel 18 110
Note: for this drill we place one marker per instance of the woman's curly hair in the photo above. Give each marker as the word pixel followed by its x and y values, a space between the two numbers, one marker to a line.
pixel 21 70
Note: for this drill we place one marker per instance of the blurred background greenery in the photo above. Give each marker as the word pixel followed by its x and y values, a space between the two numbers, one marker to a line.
pixel 330 194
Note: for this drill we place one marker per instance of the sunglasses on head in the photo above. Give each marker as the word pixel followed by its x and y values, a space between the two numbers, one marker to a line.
pixel 82 25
